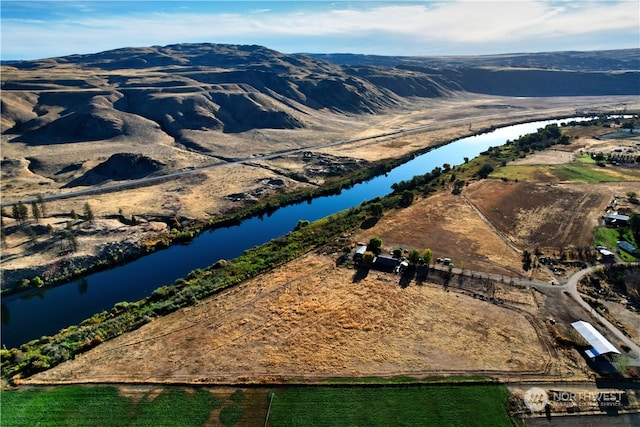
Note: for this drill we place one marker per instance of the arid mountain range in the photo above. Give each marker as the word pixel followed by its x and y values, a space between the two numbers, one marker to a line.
pixel 195 87
pixel 197 99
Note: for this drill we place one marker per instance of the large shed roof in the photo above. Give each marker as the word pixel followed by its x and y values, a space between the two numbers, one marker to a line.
pixel 600 345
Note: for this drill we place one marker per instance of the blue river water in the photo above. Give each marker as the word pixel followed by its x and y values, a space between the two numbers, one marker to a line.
pixel 44 312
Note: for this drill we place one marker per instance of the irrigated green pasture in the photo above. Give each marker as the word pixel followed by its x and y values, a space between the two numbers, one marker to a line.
pixel 416 405
pixel 104 406
pixel 338 405
pixel 569 172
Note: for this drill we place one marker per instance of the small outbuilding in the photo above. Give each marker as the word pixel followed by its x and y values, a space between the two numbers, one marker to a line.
pixel 386 263
pixel 627 247
pixel 359 253
pixel 600 346
pixel 616 220
pixel 606 255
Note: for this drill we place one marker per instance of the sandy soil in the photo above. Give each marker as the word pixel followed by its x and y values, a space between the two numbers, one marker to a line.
pixel 548 216
pixel 628 319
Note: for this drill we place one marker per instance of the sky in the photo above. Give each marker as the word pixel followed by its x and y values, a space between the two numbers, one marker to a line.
pixel 42 29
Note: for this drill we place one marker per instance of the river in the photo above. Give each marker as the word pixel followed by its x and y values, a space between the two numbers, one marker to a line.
pixel 33 314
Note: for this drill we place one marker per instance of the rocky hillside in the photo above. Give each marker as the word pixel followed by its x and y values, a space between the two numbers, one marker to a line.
pixel 182 88
pixel 597 73
pixel 197 87
pixel 177 102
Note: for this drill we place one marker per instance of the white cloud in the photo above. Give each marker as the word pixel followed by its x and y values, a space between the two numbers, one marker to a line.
pixel 460 27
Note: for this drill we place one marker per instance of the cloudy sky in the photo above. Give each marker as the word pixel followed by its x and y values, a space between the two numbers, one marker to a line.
pixel 40 29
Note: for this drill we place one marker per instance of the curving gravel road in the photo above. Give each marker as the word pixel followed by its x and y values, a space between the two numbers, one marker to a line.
pixel 570 287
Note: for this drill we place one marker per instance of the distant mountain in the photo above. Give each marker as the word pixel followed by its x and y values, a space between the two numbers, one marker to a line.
pixel 597 60
pixel 183 90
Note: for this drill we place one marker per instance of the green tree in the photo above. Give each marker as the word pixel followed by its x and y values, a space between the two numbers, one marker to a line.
pixel 375 209
pixel 457 187
pixel 368 257
pixel 71 239
pixel 526 260
pixel 375 244
pixel 35 211
pixel 37 281
pixel 301 224
pixel 414 256
pixel 485 171
pixel 88 213
pixel 41 205
pixel 33 236
pixel 20 212
pixel 427 256
pixel 407 198
pixel 634 225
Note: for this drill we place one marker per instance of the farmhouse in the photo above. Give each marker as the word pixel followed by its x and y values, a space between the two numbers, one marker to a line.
pixel 600 346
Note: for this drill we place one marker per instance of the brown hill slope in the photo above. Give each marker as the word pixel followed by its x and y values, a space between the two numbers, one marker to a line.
pixel 189 105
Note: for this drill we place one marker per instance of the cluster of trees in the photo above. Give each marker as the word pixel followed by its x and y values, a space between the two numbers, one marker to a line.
pixel 413 256
pixel 417 181
pixel 20 211
pixel 542 139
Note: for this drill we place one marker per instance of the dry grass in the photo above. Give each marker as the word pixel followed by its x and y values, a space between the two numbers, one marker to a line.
pixel 309 320
pixel 205 194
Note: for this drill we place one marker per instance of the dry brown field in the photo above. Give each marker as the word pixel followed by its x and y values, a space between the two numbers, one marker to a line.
pixel 309 319
pixel 214 192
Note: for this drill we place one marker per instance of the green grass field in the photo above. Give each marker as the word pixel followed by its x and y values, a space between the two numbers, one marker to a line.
pixel 583 173
pixel 364 405
pixel 586 158
pixel 104 406
pixel 417 405
pixel 609 237
pixel 570 172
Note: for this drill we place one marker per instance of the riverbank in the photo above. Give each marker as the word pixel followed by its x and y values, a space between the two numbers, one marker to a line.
pixel 35 257
pixel 202 283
